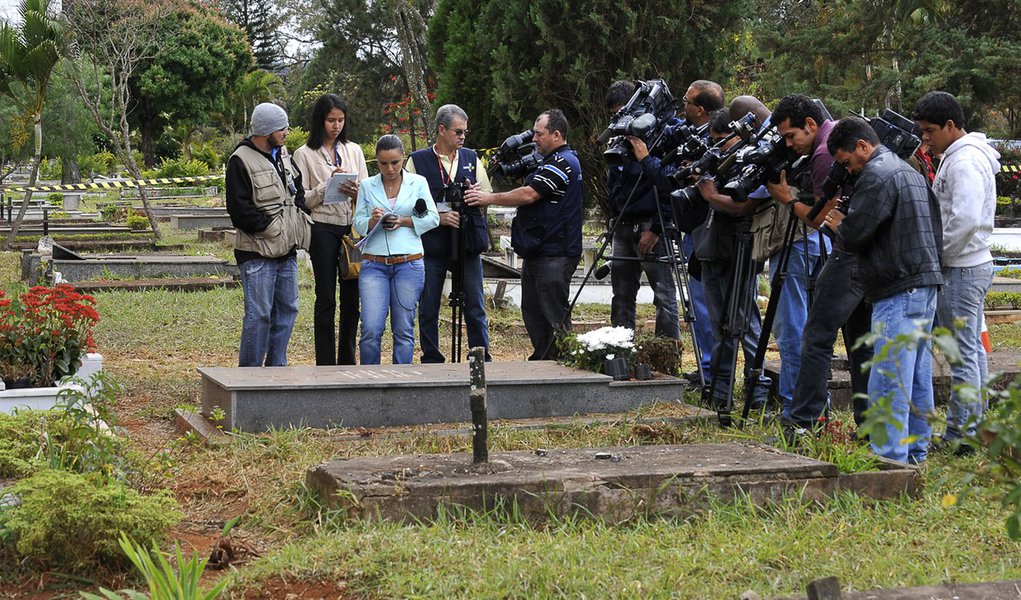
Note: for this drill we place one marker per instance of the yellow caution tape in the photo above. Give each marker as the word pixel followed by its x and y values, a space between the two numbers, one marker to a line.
pixel 1010 168
pixel 112 185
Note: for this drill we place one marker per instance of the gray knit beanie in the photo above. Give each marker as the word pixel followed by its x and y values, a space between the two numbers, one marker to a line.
pixel 267 118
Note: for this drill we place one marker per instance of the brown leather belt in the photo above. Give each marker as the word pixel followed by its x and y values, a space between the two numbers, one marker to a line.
pixel 392 260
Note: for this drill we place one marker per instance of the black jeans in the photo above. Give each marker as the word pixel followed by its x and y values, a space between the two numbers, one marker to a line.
pixel 333 348
pixel 545 302
pixel 838 304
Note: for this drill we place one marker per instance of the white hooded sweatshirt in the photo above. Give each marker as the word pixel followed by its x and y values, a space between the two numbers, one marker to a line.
pixel 965 186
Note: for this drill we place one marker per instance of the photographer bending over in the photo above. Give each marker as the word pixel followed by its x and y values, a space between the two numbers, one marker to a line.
pixel 449 167
pixel 893 225
pixel 839 296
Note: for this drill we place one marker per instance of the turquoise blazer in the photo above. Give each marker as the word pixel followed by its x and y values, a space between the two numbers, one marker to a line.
pixel 403 240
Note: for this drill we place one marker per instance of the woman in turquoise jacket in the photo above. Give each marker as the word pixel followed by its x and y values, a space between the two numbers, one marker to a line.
pixel 394 209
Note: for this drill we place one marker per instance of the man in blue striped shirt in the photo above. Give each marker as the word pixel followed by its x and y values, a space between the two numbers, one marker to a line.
pixel 546 233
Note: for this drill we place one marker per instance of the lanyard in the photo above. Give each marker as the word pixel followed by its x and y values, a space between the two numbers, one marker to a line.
pixel 444 176
pixel 336 157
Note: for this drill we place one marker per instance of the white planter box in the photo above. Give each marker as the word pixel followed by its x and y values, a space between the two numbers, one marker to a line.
pixel 45 398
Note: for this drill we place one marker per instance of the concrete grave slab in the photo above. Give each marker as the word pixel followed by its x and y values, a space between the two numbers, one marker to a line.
pixel 129 266
pixel 200 221
pixel 628 482
pixel 255 399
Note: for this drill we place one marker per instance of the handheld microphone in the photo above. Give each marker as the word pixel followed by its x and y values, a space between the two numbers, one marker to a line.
pixel 420 208
pixel 602 271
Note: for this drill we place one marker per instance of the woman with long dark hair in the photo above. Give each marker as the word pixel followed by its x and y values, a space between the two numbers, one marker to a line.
pixel 328 151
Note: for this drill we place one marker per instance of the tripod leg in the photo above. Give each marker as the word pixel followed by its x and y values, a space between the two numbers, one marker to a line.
pixel 776 288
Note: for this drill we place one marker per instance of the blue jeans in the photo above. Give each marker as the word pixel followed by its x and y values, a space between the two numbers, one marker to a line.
pixel 703 328
pixel 545 302
pixel 394 290
pixel 905 375
pixel 626 278
pixel 716 281
pixel 792 312
pixel 430 305
pixel 962 297
pixel 839 303
pixel 270 286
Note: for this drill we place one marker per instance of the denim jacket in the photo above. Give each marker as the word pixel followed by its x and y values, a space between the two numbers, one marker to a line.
pixel 403 240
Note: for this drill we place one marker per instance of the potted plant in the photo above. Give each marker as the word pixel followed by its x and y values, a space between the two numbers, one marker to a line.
pixel 44 332
pixel 594 350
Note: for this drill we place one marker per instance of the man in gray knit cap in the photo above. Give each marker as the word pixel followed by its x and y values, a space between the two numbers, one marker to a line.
pixel 266 204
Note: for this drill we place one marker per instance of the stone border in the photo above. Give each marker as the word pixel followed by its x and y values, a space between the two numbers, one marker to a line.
pixel 614 483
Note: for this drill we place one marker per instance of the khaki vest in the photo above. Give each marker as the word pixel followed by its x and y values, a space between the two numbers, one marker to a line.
pixel 290 227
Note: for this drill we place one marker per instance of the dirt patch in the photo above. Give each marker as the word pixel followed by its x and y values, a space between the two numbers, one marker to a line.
pixel 280 589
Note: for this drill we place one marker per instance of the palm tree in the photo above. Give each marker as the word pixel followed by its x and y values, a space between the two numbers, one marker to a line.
pixel 28 56
pixel 258 85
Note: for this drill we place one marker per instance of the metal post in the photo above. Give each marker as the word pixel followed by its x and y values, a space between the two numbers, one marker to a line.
pixel 477 402
pixel 46 222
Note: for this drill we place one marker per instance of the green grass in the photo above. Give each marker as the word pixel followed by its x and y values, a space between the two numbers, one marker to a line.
pixel 717 553
pixel 153 341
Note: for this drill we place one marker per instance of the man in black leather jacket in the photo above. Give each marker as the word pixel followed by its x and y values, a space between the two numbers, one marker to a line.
pixel 893 225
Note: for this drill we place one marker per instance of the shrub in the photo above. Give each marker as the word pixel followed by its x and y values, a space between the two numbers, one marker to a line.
pixel 295 139
pixel 178 167
pixel 50 168
pixel 138 222
pixel 1003 300
pixel 110 212
pixel 71 521
pixel 660 353
pixel 55 199
pixel 1009 272
pixel 207 152
pixel 100 163
pixel 45 333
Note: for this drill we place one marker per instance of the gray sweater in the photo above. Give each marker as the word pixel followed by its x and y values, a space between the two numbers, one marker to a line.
pixel 965 187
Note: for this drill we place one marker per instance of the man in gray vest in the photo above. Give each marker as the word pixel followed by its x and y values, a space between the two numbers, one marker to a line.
pixel 266 204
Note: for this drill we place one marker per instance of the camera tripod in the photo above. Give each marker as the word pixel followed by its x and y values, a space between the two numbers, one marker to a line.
pixel 674 257
pixel 456 298
pixel 754 371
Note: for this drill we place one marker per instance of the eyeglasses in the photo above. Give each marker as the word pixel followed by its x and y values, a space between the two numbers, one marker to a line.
pixel 459 132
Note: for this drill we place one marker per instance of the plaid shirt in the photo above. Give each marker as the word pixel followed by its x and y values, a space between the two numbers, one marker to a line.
pixel 893 225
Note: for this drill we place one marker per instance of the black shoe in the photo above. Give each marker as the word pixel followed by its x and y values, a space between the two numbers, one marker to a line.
pixel 792 436
pixel 956 446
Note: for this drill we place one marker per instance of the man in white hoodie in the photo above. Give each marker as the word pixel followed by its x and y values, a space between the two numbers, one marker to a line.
pixel 965 186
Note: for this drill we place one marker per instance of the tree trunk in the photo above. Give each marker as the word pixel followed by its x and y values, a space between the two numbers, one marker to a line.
pixel 32 179
pixel 136 173
pixel 411 34
pixel 70 172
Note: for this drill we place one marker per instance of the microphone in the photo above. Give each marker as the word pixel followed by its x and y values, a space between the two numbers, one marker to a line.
pixel 420 208
pixel 602 271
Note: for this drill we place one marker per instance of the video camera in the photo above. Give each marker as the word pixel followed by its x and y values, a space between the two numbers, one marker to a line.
pixel 711 161
pixel 896 132
pixel 761 162
pixel 644 116
pixel 517 156
pixel 453 194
